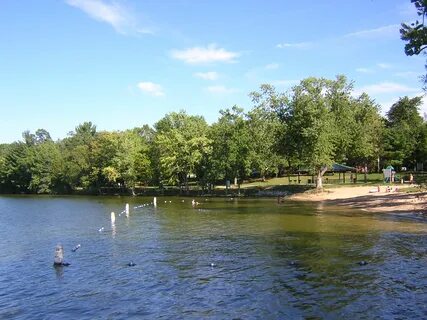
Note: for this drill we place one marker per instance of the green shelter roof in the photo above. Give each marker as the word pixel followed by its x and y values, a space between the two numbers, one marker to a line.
pixel 336 167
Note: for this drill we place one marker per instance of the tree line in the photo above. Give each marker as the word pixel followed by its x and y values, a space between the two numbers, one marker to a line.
pixel 315 124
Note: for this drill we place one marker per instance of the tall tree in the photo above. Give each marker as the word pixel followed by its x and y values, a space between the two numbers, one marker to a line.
pixel 415 34
pixel 404 129
pixel 311 125
pixel 231 146
pixel 131 161
pixel 181 142
pixel 367 130
pixel 266 130
pixel 78 154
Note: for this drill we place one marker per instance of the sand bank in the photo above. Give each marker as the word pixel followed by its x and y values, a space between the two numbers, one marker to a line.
pixel 368 198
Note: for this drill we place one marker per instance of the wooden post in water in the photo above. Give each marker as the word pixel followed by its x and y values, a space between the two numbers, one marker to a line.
pixel 155 202
pixel 113 218
pixel 59 255
pixel 127 209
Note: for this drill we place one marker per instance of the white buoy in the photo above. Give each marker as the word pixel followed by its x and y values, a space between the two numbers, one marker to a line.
pixel 127 209
pixel 113 217
pixel 155 202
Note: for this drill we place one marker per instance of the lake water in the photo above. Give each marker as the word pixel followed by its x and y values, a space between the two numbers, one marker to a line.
pixel 224 259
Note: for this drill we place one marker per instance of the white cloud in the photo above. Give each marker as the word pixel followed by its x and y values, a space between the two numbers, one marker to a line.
pixel 384 65
pixel 384 87
pixel 381 32
pixel 211 75
pixel 297 45
pixel 112 13
pixel 209 54
pixel 272 66
pixel 364 70
pixel 220 89
pixel 151 88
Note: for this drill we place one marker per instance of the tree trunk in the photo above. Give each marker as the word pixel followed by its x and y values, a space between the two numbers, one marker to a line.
pixel 366 172
pixel 319 180
pixel 186 184
pixel 235 181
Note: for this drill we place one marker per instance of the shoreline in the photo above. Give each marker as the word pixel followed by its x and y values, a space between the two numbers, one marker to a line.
pixel 367 198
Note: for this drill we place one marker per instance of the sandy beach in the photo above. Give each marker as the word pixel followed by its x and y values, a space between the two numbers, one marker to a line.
pixel 368 198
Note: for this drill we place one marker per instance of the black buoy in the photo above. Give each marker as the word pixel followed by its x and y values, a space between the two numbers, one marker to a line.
pixel 131 264
pixel 362 263
pixel 294 263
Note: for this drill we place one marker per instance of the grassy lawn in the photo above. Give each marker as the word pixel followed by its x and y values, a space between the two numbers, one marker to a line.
pixel 331 180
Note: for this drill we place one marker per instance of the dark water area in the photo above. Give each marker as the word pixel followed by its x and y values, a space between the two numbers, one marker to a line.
pixel 223 259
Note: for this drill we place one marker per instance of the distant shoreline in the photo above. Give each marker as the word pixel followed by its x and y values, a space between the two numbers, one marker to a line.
pixel 360 197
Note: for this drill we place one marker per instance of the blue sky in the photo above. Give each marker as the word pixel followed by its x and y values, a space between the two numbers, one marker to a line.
pixel 122 64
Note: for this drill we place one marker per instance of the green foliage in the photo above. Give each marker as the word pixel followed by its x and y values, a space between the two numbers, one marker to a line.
pixel 366 132
pixel 415 34
pixel 405 132
pixel 231 142
pixel 181 142
pixel 266 131
pixel 311 125
pixel 317 123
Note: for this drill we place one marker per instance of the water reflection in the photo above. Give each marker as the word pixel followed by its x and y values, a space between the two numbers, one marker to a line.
pixel 59 272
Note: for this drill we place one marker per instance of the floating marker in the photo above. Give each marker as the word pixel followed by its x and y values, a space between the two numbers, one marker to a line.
pixel 76 248
pixel 155 202
pixel 127 209
pixel 131 264
pixel 213 264
pixel 113 217
pixel 362 263
pixel 101 229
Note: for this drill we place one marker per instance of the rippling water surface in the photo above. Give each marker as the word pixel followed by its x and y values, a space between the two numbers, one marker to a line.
pixel 224 259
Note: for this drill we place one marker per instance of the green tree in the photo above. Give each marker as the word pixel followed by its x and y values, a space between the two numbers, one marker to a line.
pixel 266 130
pixel 367 130
pixel 404 130
pixel 415 34
pixel 181 142
pixel 311 126
pixel 45 165
pixel 131 161
pixel 231 146
pixel 78 166
pixel 15 171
